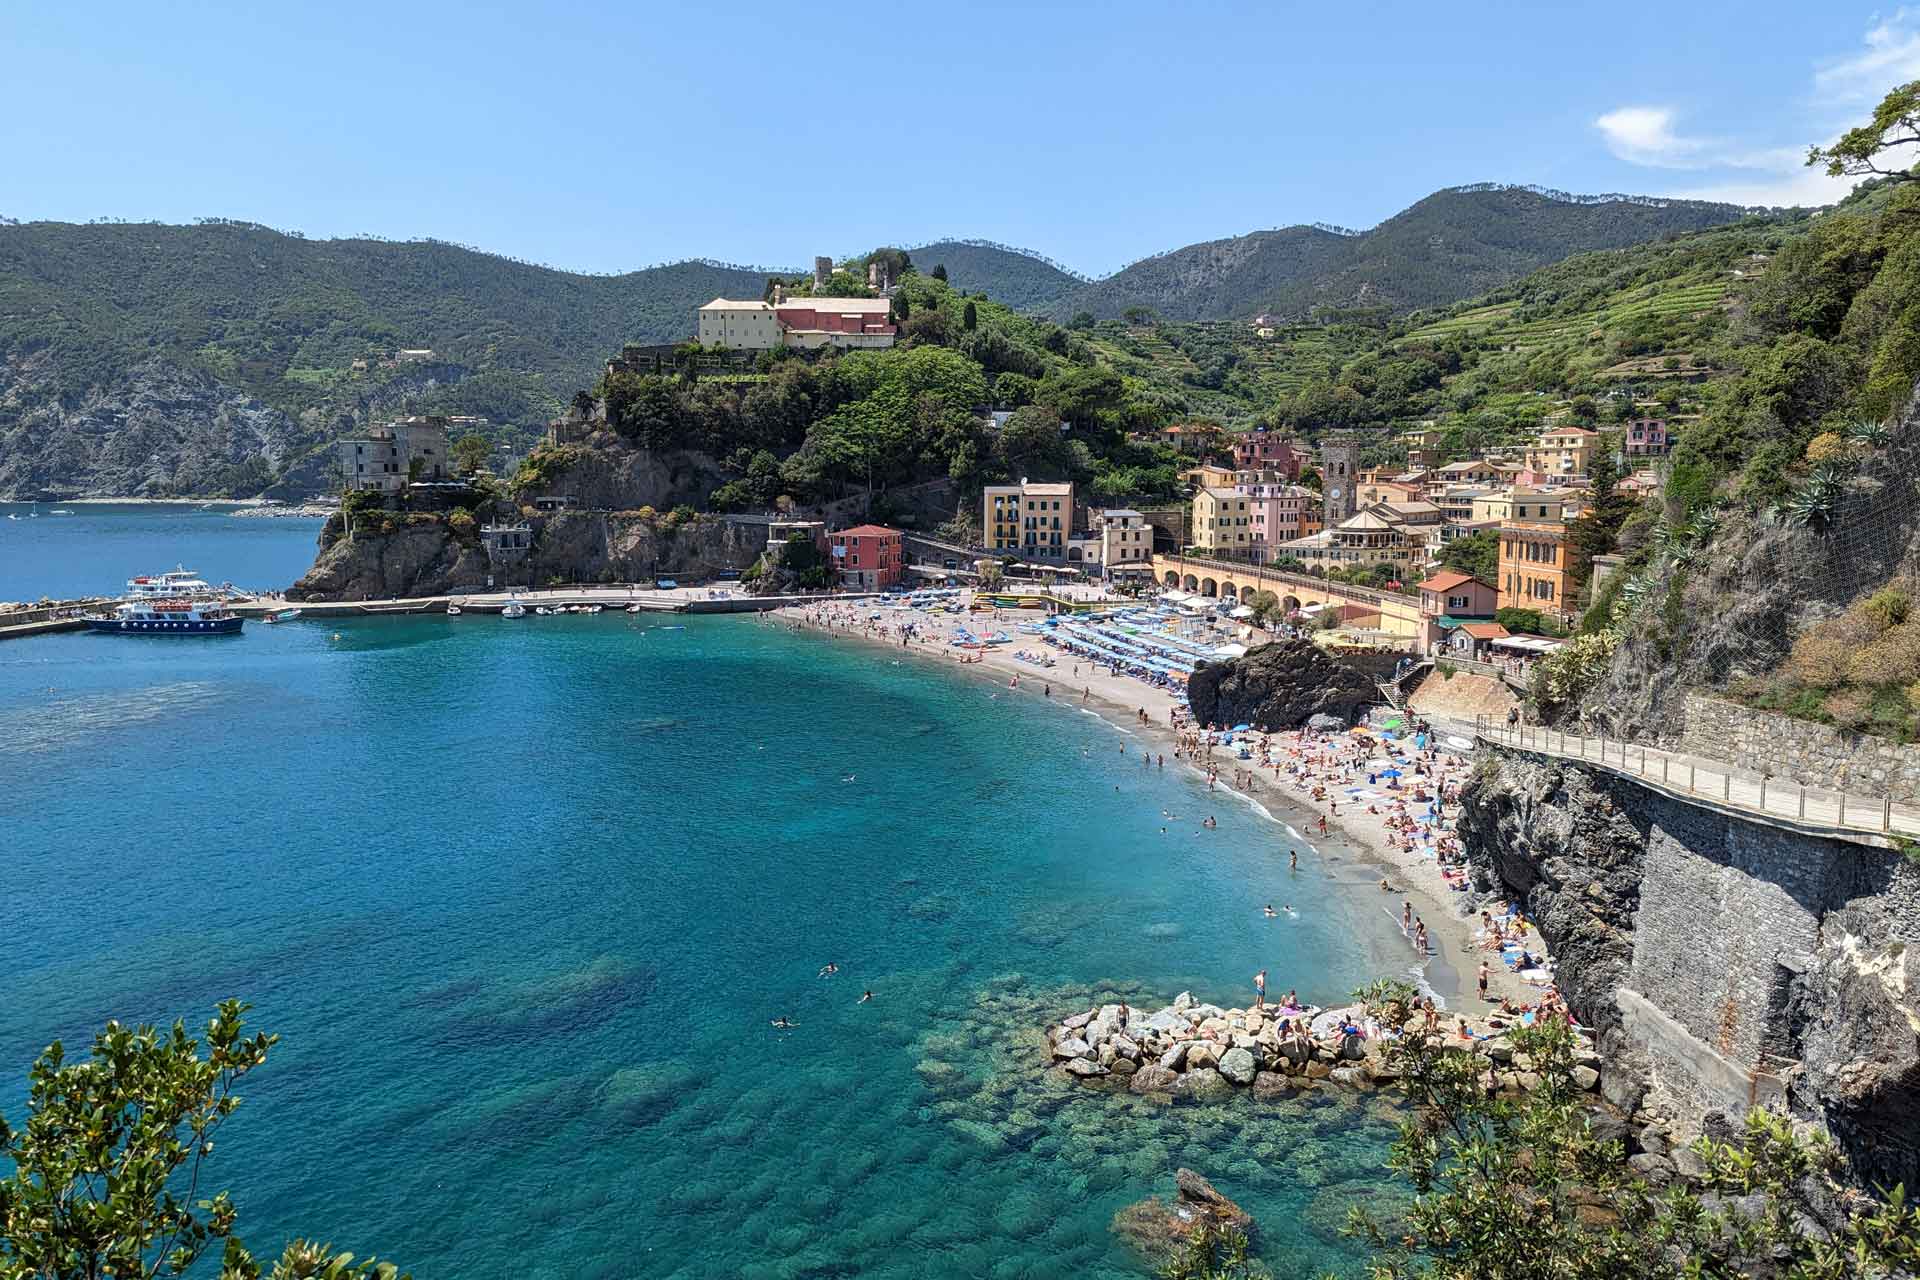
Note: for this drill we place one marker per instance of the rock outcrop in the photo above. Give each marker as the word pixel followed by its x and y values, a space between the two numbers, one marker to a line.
pixel 425 555
pixel 1721 960
pixel 1281 686
pixel 1156 1228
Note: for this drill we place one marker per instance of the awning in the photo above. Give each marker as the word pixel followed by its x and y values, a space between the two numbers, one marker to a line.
pixel 1175 597
pixel 1448 621
pixel 1241 611
pixel 1527 644
pixel 1311 609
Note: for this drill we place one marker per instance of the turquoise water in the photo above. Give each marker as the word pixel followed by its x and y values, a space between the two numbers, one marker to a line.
pixel 521 898
pixel 97 548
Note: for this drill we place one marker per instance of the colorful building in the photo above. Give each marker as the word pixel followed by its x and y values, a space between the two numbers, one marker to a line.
pixel 1533 567
pixel 867 557
pixel 1031 520
pixel 1564 453
pixel 1646 438
pixel 1449 598
pixel 1265 451
pixel 1278 512
pixel 1519 504
pixel 1222 522
pixel 805 323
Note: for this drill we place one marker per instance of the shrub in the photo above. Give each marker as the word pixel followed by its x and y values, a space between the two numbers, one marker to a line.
pixel 1828 446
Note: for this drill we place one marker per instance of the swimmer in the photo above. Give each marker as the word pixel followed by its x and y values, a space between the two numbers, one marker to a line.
pixel 848 778
pixel 1209 823
pixel 1270 914
pixel 828 969
pixel 1293 859
pixel 864 997
pixel 784 1023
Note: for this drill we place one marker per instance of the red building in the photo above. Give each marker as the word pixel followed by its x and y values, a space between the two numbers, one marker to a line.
pixel 867 557
pixel 1264 451
pixel 838 322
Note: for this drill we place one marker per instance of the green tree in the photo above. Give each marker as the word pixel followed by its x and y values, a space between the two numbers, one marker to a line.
pixel 1082 320
pixel 1895 123
pixel 470 453
pixel 969 318
pixel 902 308
pixel 106 1174
pixel 1475 553
pixel 1522 1188
pixel 940 272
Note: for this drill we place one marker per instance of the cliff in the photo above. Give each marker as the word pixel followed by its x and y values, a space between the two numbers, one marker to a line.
pixel 1722 960
pixel 603 472
pixel 1281 686
pixel 425 555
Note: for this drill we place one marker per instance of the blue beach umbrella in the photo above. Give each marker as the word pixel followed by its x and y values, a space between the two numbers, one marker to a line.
pixel 1390 773
pixel 1241 728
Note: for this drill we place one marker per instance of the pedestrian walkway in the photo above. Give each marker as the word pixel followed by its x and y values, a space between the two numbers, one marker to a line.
pixel 1712 782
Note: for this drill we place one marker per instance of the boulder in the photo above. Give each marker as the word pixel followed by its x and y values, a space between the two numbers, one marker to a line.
pixel 1238 1066
pixel 1688 1164
pixel 1166 1021
pixel 1352 1077
pixel 1153 1078
pixel 1125 1047
pixel 1085 1067
pixel 1586 1078
pixel 1124 1067
pixel 1077 1021
pixel 1353 1048
pixel 1657 1170
pixel 1271 1084
pixel 1176 1058
pixel 1282 686
pixel 1183 1001
pixel 1317 1070
pixel 1072 1048
pixel 1202 1055
pixel 1241 1040
pixel 1204 1085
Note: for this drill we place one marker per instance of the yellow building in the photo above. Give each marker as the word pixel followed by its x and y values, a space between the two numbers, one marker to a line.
pixel 1564 452
pixel 1028 520
pixel 1222 521
pixel 1207 475
pixel 1518 504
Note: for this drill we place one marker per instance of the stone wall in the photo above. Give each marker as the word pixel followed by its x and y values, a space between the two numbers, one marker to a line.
pixel 1725 961
pixel 1799 750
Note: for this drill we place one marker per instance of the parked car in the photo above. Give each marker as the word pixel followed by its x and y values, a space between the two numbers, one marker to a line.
pixel 665 584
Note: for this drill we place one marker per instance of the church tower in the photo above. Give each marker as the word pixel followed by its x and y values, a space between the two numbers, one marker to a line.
pixel 1339 472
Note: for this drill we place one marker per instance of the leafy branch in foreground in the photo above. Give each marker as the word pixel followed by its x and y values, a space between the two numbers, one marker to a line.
pixel 1521 1188
pixel 106 1174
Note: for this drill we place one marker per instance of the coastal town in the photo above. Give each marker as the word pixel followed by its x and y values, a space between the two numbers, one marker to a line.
pixel 883 763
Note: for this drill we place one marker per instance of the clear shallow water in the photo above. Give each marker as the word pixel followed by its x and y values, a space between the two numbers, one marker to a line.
pixel 97 548
pixel 522 898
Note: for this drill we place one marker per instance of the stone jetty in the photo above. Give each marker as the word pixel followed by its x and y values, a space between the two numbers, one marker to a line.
pixel 1190 1050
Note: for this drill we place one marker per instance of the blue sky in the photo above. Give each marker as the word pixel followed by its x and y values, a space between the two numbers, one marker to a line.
pixel 609 136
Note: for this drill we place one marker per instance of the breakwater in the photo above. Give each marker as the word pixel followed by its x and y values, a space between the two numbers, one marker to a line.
pixel 1202 1052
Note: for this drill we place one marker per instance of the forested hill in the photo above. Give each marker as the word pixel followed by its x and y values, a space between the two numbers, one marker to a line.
pixel 1452 245
pixel 1018 277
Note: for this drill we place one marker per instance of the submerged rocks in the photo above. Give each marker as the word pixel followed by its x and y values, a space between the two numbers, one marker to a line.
pixel 1156 1228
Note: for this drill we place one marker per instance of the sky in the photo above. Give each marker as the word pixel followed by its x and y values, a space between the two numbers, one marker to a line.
pixel 610 136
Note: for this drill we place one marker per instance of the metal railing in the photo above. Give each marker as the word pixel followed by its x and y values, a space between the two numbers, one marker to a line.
pixel 1711 781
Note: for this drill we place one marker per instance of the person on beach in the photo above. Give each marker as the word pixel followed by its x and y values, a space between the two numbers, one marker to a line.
pixel 1260 989
pixel 1483 979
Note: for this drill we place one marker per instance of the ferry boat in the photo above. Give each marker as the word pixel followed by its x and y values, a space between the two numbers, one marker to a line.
pixel 177 583
pixel 168 617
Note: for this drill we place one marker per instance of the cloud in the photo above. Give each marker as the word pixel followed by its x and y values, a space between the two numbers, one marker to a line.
pixel 1651 136
pixel 1644 135
pixel 1892 57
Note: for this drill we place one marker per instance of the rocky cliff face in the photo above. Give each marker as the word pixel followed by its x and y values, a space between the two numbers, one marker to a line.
pixel 424 555
pixel 604 472
pixel 1735 607
pixel 1281 686
pixel 158 430
pixel 1723 961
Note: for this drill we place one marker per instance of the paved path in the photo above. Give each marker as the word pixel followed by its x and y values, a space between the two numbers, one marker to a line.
pixel 1715 783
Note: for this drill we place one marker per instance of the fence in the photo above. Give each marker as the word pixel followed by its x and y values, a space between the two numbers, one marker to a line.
pixel 1711 781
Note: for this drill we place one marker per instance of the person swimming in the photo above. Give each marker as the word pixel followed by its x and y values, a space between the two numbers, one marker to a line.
pixel 785 1023
pixel 1270 911
pixel 1209 823
pixel 864 997
pixel 828 969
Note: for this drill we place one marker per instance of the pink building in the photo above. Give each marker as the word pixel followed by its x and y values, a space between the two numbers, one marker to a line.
pixel 1646 438
pixel 1264 451
pixel 1279 512
pixel 835 316
pixel 867 557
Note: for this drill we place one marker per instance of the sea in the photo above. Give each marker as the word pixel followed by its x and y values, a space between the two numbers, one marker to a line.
pixel 522 899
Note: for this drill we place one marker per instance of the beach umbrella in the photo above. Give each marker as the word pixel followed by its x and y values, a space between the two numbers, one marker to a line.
pixel 1241 728
pixel 1390 773
pixel 1394 723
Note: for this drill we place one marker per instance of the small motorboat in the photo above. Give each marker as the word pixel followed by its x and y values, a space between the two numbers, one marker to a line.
pixel 543 611
pixel 633 608
pixel 514 609
pixel 280 615
pixel 453 610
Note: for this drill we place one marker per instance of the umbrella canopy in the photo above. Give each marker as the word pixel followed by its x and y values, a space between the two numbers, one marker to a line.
pixel 1241 728
pixel 1363 731
pixel 1390 773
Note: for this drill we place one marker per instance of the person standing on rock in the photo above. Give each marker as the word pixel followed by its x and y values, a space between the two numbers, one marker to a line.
pixel 1260 989
pixel 1483 979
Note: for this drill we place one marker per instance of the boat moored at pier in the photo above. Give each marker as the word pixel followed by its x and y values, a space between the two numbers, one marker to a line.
pixel 167 617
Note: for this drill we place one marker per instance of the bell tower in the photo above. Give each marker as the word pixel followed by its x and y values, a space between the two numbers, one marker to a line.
pixel 1339 472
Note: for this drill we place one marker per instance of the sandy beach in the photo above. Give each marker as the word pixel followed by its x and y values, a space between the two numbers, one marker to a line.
pixel 1416 884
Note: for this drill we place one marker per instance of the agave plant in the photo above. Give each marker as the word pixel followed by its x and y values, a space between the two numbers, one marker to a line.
pixel 1703 526
pixel 1638 588
pixel 1814 505
pixel 1870 432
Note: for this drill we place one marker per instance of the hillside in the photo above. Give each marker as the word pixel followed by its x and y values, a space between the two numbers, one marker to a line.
pixel 1022 280
pixel 1451 245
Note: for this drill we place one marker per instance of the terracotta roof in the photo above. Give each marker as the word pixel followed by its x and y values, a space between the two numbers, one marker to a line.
pixel 1448 580
pixel 865 531
pixel 1485 630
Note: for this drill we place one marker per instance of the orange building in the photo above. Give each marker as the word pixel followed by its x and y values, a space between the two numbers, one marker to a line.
pixel 1533 567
